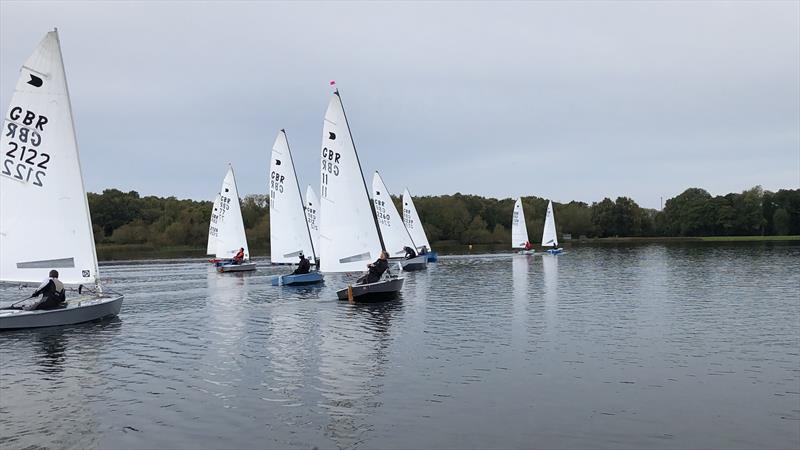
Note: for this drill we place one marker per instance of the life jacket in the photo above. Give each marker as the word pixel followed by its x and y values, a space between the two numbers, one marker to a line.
pixel 53 295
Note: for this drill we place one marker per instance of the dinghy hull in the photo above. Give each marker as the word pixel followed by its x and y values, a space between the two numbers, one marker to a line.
pixel 373 292
pixel 77 311
pixel 298 280
pixel 526 252
pixel 416 263
pixel 555 251
pixel 244 267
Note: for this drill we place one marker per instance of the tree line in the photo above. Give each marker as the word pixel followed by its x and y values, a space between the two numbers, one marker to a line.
pixel 127 218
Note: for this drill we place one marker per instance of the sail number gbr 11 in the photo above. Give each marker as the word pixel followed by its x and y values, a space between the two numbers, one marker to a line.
pixel 330 166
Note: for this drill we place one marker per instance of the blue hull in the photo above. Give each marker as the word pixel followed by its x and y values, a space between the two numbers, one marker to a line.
pixel 297 280
pixel 555 251
pixel 432 256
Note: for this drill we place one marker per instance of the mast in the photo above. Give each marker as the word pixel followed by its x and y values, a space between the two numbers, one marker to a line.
pixel 297 182
pixel 97 285
pixel 371 207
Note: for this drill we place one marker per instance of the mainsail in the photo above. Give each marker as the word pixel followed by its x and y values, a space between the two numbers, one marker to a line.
pixel 231 235
pixel 519 230
pixel 412 222
pixel 549 235
pixel 44 213
pixel 348 238
pixel 289 233
pixel 394 232
pixel 312 217
pixel 211 247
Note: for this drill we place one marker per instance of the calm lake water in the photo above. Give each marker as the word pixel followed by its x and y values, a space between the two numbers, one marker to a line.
pixel 655 346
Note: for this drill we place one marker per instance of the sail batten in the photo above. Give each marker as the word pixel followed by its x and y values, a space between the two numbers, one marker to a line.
pixel 44 211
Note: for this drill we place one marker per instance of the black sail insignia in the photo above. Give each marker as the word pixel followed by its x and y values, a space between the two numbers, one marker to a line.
pixel 332 135
pixel 35 81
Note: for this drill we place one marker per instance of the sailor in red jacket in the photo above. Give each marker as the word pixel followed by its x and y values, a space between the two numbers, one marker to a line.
pixel 239 256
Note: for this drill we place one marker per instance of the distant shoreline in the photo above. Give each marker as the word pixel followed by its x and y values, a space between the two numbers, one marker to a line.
pixel 115 252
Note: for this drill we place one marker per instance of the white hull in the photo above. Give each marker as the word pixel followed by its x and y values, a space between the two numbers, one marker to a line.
pixel 244 267
pixel 416 263
pixel 77 311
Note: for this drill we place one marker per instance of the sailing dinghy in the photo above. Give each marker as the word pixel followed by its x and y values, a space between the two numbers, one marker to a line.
pixel 415 229
pixel 519 230
pixel 289 235
pixel 395 234
pixel 549 238
pixel 230 228
pixel 348 235
pixel 44 214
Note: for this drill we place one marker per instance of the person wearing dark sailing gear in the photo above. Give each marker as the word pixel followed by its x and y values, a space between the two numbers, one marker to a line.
pixel 303 267
pixel 52 292
pixel 410 253
pixel 376 270
pixel 423 250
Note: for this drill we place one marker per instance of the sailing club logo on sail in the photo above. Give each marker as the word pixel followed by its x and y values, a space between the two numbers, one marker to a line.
pixel 330 166
pixel 23 160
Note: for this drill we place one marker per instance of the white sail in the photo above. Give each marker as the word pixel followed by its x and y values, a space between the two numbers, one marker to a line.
pixel 231 235
pixel 394 232
pixel 211 248
pixel 549 238
pixel 519 230
pixel 288 230
pixel 44 213
pixel 412 222
pixel 312 217
pixel 348 237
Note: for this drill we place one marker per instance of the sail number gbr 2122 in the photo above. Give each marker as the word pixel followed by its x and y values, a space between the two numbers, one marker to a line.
pixel 23 159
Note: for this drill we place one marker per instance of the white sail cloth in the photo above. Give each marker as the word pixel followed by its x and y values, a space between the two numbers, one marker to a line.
pixel 211 247
pixel 289 235
pixel 348 238
pixel 312 217
pixel 395 235
pixel 231 235
pixel 519 230
pixel 44 214
pixel 549 237
pixel 412 222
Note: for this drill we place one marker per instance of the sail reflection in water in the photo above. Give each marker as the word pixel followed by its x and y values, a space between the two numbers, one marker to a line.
pixel 354 352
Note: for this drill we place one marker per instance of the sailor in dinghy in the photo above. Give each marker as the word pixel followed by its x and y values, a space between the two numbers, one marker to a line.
pixel 395 235
pixel 349 235
pixel 231 242
pixel 289 228
pixel 549 238
pixel 40 126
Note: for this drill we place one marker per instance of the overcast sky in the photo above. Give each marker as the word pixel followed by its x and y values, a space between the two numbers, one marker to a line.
pixel 564 100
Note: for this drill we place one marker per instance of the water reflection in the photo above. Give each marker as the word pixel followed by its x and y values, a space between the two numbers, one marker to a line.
pixel 550 269
pixel 353 355
pixel 520 265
